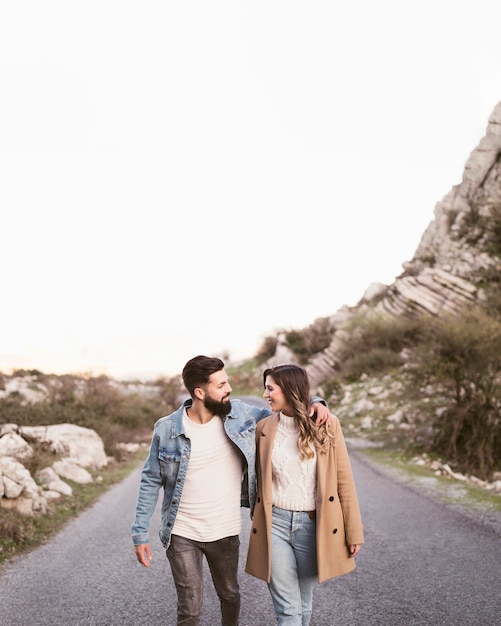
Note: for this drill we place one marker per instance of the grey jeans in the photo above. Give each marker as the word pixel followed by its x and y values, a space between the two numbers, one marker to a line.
pixel 186 562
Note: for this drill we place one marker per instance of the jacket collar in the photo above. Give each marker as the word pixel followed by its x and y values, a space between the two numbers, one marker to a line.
pixel 177 423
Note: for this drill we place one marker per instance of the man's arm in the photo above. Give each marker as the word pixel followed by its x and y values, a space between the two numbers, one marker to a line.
pixel 149 487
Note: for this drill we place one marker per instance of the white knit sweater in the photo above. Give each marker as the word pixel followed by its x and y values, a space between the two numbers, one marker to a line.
pixel 293 480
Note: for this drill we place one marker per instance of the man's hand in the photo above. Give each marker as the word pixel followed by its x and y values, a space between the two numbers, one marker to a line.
pixel 322 413
pixel 143 553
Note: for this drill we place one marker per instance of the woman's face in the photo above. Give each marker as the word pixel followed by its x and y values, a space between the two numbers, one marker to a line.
pixel 275 396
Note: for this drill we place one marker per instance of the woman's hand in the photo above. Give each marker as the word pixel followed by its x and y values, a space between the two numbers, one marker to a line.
pixel 354 549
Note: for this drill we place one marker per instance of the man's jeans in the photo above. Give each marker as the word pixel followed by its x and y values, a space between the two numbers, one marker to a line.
pixel 186 561
pixel 293 566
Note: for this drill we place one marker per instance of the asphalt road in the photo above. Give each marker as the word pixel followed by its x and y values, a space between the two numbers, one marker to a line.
pixel 422 564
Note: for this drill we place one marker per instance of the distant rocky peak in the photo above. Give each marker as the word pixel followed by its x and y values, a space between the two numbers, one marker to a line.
pixel 457 240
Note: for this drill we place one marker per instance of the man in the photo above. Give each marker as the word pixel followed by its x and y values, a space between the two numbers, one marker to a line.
pixel 203 455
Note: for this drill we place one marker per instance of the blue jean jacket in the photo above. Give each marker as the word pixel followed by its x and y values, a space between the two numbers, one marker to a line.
pixel 168 460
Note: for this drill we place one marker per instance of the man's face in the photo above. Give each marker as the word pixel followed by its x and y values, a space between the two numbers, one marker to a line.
pixel 217 394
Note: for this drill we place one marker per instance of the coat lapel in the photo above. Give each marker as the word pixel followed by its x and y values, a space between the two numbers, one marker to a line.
pixel 265 443
pixel 322 460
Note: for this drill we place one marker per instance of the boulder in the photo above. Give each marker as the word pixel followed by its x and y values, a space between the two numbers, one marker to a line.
pixel 15 446
pixel 80 448
pixel 82 445
pixel 72 471
pixel 50 481
pixel 19 489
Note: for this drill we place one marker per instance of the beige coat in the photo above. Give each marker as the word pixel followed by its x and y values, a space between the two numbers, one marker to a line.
pixel 337 514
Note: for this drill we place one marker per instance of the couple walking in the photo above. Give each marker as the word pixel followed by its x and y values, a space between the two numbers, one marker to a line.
pixel 288 464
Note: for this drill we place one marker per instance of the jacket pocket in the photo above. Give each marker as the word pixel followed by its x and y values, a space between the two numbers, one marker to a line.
pixel 247 429
pixel 169 463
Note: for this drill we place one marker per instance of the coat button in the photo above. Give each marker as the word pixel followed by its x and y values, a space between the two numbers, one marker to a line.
pixel 331 499
pixel 334 531
pixel 259 499
pixel 254 530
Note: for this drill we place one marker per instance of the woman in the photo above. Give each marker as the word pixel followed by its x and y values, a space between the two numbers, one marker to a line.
pixel 306 523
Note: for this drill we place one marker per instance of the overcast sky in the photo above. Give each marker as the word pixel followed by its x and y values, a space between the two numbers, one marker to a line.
pixel 188 177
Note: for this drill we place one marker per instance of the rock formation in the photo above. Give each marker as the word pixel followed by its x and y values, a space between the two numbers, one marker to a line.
pixel 450 260
pixel 75 448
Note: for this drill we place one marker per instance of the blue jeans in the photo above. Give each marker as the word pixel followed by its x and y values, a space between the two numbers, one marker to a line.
pixel 293 566
pixel 186 561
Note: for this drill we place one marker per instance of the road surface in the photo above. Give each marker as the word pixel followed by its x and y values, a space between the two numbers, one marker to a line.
pixel 422 563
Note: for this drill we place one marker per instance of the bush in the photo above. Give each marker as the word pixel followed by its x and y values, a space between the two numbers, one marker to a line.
pixel 370 362
pixel 311 340
pixel 462 355
pixel 267 349
pixel 373 343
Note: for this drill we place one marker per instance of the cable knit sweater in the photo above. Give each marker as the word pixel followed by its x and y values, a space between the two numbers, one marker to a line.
pixel 293 479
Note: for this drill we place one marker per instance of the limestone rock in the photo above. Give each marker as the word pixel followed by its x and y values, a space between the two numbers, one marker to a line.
pixel 50 481
pixel 81 445
pixel 15 446
pixel 70 470
pixel 17 482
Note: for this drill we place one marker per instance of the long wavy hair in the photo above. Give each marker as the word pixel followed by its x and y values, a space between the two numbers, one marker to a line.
pixel 294 383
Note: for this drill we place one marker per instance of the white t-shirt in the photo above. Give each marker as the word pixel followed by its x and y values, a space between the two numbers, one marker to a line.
pixel 209 508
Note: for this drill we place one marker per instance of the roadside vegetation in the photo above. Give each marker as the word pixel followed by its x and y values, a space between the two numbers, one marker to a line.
pixel 118 412
pixel 121 413
pixel 450 374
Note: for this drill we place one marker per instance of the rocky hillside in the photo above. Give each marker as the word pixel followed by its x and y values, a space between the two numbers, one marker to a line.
pixel 460 247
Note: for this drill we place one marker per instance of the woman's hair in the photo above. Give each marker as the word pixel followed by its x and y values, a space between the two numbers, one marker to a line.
pixel 198 370
pixel 294 383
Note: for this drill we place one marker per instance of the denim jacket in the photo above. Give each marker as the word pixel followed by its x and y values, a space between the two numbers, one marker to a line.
pixel 168 460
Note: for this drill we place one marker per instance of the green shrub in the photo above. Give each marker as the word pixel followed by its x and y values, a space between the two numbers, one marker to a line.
pixel 370 362
pixel 311 340
pixel 462 355
pixel 373 343
pixel 267 349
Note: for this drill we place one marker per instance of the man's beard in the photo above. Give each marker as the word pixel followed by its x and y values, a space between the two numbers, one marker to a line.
pixel 217 408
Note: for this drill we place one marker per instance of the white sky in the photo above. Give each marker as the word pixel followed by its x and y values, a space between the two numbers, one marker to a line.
pixel 189 177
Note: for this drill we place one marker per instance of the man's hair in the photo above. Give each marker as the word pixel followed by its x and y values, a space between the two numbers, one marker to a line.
pixel 198 370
